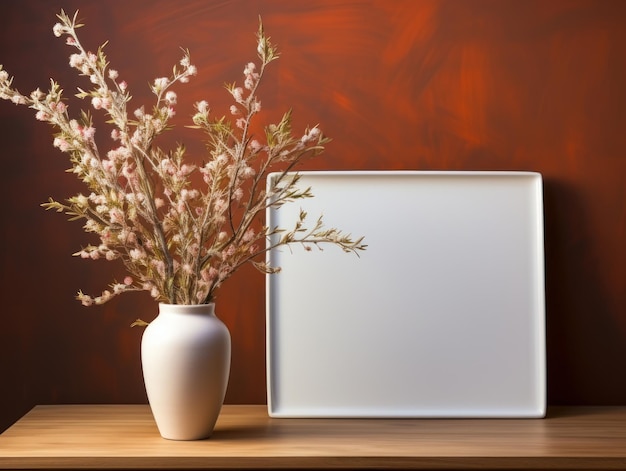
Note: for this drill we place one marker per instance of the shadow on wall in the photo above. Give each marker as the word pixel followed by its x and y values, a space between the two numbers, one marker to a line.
pixel 581 327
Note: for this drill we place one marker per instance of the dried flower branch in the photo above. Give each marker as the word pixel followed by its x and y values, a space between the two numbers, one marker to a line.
pixel 177 241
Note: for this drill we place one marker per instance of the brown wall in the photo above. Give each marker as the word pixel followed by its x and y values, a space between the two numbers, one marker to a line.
pixel 413 84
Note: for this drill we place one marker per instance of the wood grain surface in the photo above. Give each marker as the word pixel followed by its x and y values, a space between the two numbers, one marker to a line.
pixel 125 436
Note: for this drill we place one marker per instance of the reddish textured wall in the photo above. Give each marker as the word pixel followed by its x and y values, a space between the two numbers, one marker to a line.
pixel 426 84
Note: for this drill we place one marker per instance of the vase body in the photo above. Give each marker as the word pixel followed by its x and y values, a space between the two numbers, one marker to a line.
pixel 185 356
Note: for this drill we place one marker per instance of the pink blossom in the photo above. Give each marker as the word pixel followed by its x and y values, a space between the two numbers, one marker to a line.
pixel 58 30
pixel 116 154
pixel 89 133
pixel 186 169
pixel 61 144
pixel 82 201
pixel 229 252
pixel 42 115
pixel 202 106
pixel 220 205
pixel 248 83
pixel 97 199
pixel 248 172
pixel 91 226
pixel 310 135
pixel 248 235
pixel 123 85
pixel 75 126
pixel 128 171
pixel 160 83
pixel 205 275
pixel 234 110
pixel 238 94
pixel 250 68
pixel 157 123
pixel 116 216
pixel 76 60
pixel 241 123
pixel 136 254
pixel 128 281
pixel 113 74
pixel 167 166
pixel 171 97
pixel 108 166
pixel 96 102
pixel 137 137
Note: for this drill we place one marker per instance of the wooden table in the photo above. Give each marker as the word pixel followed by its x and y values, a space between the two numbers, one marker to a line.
pixel 125 437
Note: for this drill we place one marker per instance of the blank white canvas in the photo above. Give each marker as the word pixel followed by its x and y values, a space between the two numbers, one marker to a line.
pixel 443 314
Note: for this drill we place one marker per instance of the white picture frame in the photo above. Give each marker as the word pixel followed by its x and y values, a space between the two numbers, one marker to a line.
pixel 443 315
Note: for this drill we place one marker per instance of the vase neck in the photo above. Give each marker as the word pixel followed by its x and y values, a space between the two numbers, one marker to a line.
pixel 195 309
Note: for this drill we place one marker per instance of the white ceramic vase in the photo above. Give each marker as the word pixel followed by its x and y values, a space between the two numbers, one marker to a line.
pixel 185 355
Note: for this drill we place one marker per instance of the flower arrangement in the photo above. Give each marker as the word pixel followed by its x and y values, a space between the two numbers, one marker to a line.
pixel 180 228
